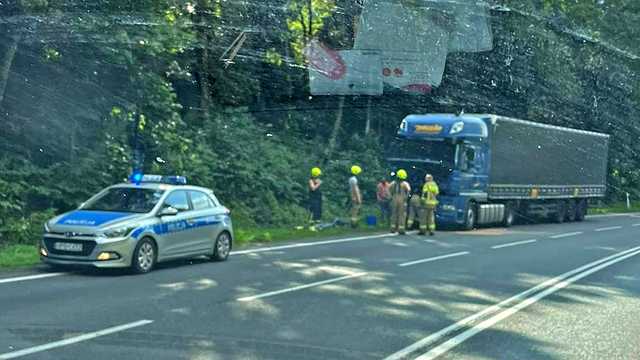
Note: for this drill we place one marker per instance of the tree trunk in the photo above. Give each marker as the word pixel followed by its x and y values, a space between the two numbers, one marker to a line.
pixel 367 127
pixel 310 5
pixel 5 65
pixel 287 119
pixel 336 129
pixel 205 94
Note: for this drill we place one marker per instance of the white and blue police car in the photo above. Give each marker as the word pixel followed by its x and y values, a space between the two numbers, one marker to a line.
pixel 151 219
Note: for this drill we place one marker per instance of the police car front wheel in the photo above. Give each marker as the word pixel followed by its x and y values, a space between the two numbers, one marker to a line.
pixel 144 257
pixel 222 247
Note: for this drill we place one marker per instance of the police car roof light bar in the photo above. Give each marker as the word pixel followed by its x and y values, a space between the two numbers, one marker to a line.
pixel 138 178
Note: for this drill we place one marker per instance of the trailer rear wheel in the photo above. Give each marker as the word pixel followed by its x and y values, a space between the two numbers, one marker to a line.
pixel 581 210
pixel 572 210
pixel 470 217
pixel 561 212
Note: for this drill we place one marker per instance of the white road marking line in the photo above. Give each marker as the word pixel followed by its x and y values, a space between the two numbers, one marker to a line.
pixel 314 243
pixel 559 236
pixel 613 215
pixel 300 287
pixel 635 225
pixel 73 340
pixel 436 258
pixel 460 338
pixel 609 228
pixel 431 339
pixel 29 277
pixel 514 244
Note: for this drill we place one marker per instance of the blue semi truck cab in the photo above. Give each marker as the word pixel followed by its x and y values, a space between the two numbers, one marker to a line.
pixel 493 169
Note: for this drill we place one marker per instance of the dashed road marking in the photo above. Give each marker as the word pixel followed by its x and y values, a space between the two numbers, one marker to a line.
pixel 72 340
pixel 29 277
pixel 435 258
pixel 514 244
pixel 609 228
pixel 300 287
pixel 560 236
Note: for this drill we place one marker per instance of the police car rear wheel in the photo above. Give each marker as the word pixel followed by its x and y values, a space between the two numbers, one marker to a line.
pixel 222 247
pixel 144 257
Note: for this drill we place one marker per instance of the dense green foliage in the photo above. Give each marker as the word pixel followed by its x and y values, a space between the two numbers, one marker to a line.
pixel 79 80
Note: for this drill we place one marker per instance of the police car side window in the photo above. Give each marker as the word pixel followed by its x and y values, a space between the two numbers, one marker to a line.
pixel 214 201
pixel 199 200
pixel 178 200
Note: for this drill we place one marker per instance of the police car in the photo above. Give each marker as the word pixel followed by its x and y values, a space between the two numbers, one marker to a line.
pixel 138 224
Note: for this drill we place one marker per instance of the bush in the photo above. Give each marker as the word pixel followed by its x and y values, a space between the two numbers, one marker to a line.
pixel 25 230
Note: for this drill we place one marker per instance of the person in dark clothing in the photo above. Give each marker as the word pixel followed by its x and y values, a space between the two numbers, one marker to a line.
pixel 315 196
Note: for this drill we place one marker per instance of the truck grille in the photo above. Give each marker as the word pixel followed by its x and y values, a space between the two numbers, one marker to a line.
pixel 87 246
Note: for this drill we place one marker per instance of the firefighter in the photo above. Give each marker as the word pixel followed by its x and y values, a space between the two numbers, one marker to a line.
pixel 415 208
pixel 399 191
pixel 315 197
pixel 430 193
pixel 355 194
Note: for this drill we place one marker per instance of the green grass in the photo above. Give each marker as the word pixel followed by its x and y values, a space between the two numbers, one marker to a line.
pixel 619 207
pixel 20 255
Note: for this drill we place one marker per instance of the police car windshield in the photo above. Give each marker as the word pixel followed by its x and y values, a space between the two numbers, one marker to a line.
pixel 134 200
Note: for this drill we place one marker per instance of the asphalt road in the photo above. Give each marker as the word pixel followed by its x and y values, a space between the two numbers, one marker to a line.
pixel 549 291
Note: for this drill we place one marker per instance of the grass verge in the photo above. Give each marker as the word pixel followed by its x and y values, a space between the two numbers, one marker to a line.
pixel 19 255
pixel 615 208
pixel 253 236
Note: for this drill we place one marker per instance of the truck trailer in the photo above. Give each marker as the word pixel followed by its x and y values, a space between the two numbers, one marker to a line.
pixel 493 169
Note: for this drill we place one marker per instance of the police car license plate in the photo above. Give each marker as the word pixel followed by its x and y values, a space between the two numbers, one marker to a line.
pixel 63 246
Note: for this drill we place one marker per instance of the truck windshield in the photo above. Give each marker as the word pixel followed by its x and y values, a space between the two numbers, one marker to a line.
pixel 422 152
pixel 134 200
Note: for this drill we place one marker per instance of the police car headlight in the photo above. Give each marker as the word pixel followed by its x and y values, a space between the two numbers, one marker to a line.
pixel 448 208
pixel 46 227
pixel 118 232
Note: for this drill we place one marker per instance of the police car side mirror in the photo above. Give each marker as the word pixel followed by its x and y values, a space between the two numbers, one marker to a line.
pixel 169 211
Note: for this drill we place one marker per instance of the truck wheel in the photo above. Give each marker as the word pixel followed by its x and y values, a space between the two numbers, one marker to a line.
pixel 509 215
pixel 581 210
pixel 572 210
pixel 470 218
pixel 561 212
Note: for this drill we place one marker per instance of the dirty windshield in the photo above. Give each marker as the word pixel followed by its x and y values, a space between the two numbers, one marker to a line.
pixel 125 200
pixel 393 179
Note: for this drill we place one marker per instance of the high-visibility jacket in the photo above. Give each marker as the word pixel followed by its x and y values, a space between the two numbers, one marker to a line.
pixel 430 193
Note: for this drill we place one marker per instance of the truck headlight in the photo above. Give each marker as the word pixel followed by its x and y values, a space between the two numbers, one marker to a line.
pixel 403 126
pixel 456 128
pixel 448 207
pixel 118 232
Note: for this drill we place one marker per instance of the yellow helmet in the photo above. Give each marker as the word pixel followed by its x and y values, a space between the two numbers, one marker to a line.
pixel 402 174
pixel 355 169
pixel 315 172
